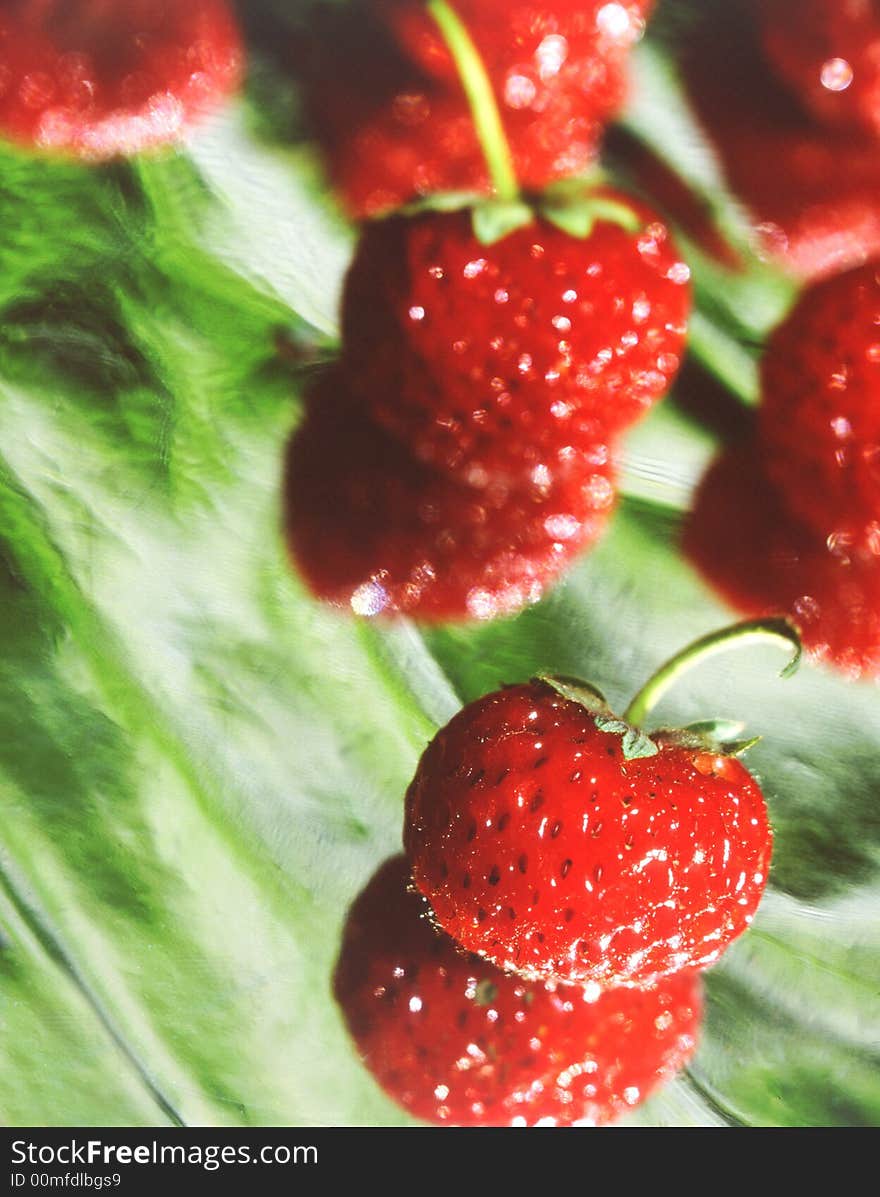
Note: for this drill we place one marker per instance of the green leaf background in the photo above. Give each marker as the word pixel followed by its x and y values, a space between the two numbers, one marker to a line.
pixel 200 766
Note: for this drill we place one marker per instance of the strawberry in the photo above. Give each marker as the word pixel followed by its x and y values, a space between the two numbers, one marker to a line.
pixel 813 191
pixel 502 359
pixel 372 528
pixel 97 78
pixel 394 121
pixel 828 53
pixel 819 422
pixel 456 1041
pixel 763 561
pixel 558 841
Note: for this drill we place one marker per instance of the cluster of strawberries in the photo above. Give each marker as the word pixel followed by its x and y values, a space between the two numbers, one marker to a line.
pixel 789 91
pixel 579 876
pixel 790 520
pixel 460 454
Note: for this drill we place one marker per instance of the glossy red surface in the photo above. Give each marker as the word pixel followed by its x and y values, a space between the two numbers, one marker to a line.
pixel 541 847
pixel 502 360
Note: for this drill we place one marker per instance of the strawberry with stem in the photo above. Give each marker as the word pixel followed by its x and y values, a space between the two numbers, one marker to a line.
pixel 393 110
pixel 498 342
pixel 493 355
pixel 562 842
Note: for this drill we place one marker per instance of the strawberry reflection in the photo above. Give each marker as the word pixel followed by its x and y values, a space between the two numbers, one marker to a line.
pixel 454 1040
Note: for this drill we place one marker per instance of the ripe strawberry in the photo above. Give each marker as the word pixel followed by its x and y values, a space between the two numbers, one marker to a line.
pixel 371 528
pixel 455 1040
pixel 390 111
pixel 828 53
pixel 96 78
pixel 819 422
pixel 547 840
pixel 813 191
pixel 501 359
pixel 763 561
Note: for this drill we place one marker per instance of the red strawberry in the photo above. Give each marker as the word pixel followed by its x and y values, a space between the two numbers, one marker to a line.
pixel 763 561
pixel 371 528
pixel 814 192
pixel 819 422
pixel 545 841
pixel 828 52
pixel 455 1040
pixel 504 358
pixel 96 78
pixel 392 115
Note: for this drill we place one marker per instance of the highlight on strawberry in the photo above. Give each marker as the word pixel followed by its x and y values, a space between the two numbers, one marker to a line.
pixel 786 91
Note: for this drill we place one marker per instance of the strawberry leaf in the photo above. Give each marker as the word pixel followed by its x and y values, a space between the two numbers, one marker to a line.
pixel 577 691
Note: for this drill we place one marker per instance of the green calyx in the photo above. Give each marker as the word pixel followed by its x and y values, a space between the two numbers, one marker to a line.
pixel 635 743
pixel 576 213
pixel 722 737
pixel 571 205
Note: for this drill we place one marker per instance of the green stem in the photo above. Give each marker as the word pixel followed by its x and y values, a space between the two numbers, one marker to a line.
pixel 481 97
pixel 756 631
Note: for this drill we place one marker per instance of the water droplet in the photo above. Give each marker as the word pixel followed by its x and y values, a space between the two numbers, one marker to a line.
pixel 614 21
pixel 519 91
pixel 551 54
pixel 837 74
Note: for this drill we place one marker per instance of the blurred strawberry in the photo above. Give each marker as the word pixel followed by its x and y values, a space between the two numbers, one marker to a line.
pixel 372 529
pixel 819 421
pixel 97 78
pixel 764 562
pixel 813 191
pixel 456 1041
pixel 392 116
pixel 828 53
pixel 504 360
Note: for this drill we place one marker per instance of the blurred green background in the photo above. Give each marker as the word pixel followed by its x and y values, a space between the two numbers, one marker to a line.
pixel 200 766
